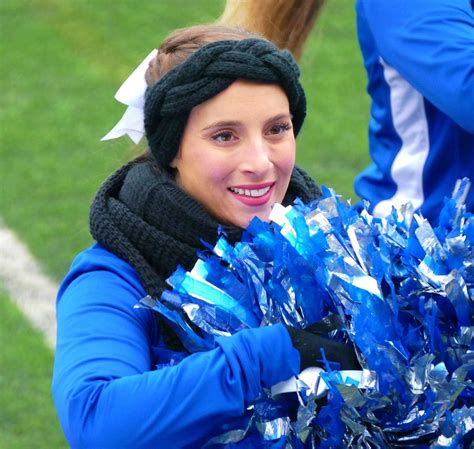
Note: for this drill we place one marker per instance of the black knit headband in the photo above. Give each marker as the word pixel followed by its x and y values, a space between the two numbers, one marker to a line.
pixel 207 72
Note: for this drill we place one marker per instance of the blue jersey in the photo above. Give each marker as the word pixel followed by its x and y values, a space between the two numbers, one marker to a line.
pixel 113 384
pixel 419 57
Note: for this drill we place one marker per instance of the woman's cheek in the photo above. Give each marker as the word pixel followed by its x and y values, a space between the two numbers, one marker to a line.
pixel 218 168
pixel 287 162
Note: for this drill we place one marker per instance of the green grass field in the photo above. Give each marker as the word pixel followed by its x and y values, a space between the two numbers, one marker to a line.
pixel 62 61
pixel 27 416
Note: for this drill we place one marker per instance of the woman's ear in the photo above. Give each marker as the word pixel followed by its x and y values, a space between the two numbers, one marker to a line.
pixel 174 162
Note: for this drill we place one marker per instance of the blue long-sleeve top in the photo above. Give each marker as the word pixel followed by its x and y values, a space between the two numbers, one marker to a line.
pixel 419 57
pixel 106 388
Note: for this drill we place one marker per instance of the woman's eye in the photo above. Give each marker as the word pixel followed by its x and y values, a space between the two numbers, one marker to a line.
pixel 223 136
pixel 280 128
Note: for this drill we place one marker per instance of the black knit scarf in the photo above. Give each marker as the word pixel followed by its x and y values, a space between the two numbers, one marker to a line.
pixel 141 215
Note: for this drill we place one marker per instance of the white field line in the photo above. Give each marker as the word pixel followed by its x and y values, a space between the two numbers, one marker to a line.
pixel 32 291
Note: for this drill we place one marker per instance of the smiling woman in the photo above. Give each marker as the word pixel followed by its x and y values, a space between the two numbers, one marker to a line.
pixel 240 145
pixel 221 112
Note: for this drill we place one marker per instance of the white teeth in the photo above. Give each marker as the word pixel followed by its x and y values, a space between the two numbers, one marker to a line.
pixel 254 193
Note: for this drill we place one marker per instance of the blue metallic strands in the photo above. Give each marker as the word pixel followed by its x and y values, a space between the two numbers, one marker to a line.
pixel 404 293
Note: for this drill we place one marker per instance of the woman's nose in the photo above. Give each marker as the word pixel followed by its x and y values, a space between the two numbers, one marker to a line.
pixel 256 158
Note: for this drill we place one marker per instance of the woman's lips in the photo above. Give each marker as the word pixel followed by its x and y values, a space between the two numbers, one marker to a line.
pixel 253 195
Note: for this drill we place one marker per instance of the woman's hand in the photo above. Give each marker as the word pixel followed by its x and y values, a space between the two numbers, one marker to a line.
pixel 310 345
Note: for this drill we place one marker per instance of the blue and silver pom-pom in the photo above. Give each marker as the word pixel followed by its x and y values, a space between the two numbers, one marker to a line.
pixel 404 292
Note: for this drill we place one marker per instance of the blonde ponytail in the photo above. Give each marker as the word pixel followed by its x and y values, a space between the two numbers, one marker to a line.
pixel 287 23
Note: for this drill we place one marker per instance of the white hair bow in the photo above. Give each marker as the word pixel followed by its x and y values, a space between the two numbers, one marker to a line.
pixel 132 93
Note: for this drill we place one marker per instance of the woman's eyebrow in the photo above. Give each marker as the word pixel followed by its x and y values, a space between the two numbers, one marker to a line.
pixel 223 124
pixel 235 123
pixel 280 117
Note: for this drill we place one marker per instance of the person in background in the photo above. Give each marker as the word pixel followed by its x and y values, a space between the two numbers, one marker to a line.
pixel 419 58
pixel 221 113
pixel 286 23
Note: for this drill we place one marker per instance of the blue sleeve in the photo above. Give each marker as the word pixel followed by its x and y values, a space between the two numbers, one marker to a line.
pixel 431 44
pixel 106 394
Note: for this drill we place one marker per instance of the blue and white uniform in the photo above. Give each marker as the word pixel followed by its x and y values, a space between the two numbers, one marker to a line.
pixel 111 387
pixel 419 57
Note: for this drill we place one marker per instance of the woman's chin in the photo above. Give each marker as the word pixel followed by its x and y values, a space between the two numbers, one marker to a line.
pixel 242 216
pixel 263 216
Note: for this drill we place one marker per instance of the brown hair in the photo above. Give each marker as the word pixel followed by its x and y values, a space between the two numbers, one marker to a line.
pixel 180 44
pixel 287 23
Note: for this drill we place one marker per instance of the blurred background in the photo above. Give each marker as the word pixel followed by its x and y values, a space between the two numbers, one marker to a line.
pixel 61 62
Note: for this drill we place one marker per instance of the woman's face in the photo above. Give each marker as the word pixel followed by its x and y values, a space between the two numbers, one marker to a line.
pixel 238 152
